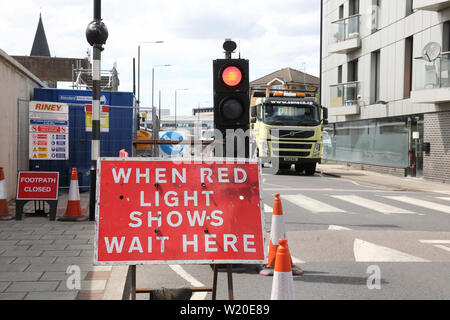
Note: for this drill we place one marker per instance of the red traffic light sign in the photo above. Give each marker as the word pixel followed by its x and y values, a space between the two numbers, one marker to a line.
pixel 232 76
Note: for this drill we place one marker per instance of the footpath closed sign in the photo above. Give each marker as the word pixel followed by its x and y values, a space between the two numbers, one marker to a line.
pixel 34 185
pixel 166 212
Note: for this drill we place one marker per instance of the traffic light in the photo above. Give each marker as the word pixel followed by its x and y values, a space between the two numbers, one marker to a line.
pixel 231 94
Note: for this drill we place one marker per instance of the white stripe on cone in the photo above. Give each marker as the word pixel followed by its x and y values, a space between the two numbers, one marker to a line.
pixel 277 230
pixel 2 189
pixel 74 192
pixel 282 286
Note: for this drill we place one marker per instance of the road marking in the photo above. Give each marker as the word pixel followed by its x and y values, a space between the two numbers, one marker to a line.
pixel 268 209
pixel 373 205
pixel 444 198
pixel 437 243
pixel 442 247
pixel 421 203
pixel 194 282
pixel 297 260
pixel 338 228
pixel 368 252
pixel 312 205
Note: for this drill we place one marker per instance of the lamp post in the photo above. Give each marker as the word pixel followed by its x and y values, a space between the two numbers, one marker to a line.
pixel 155 132
pixel 96 35
pixel 176 105
pixel 139 66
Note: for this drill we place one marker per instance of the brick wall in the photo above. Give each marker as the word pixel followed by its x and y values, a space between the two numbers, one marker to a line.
pixel 437 132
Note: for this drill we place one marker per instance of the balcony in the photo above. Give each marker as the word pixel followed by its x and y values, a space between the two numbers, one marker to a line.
pixel 432 80
pixel 344 99
pixel 431 5
pixel 345 37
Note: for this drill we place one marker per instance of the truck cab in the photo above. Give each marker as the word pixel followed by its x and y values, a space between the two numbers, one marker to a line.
pixel 287 130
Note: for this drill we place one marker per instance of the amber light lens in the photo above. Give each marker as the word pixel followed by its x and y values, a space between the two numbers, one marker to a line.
pixel 232 76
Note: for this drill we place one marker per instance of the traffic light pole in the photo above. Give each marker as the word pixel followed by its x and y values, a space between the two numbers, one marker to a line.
pixel 96 34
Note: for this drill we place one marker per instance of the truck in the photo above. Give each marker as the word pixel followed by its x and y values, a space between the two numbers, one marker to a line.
pixel 286 130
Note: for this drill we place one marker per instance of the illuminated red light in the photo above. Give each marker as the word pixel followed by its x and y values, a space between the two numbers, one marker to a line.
pixel 232 76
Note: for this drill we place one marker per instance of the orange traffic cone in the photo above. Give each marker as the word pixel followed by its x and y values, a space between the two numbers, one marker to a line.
pixel 277 232
pixel 123 153
pixel 4 211
pixel 73 211
pixel 283 282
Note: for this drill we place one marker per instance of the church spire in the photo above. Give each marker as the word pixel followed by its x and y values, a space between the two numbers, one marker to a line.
pixel 40 45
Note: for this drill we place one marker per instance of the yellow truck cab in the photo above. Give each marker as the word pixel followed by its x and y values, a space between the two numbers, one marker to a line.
pixel 287 130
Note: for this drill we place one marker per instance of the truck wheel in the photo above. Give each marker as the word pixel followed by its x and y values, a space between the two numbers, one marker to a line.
pixel 299 168
pixel 310 169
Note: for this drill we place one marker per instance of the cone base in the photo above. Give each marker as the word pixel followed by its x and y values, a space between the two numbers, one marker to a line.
pixel 6 218
pixel 296 271
pixel 74 219
pixel 268 271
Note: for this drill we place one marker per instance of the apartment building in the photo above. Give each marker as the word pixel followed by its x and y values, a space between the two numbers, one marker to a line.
pixel 386 82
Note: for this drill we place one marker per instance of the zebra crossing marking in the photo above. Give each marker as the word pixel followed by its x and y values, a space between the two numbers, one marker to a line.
pixel 373 205
pixel 421 203
pixel 316 206
pixel 338 228
pixel 311 204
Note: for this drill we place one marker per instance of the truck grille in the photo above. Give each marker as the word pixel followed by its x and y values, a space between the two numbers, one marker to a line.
pixel 290 154
pixel 293 134
pixel 291 146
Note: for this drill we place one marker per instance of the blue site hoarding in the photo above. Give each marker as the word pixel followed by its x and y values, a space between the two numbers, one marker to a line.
pixel 122 130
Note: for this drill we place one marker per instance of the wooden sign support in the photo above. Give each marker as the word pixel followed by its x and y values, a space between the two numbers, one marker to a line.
pixel 212 289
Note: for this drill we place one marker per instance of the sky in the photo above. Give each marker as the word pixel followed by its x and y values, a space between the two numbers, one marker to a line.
pixel 271 34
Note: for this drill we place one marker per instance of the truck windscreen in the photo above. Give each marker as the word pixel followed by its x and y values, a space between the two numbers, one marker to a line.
pixel 291 115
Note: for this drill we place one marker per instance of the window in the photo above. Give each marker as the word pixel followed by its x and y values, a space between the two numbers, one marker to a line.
pixel 353 7
pixel 409 7
pixel 352 74
pixel 340 74
pixel 408 67
pixel 376 11
pixel 375 77
pixel 446 37
pixel 341 12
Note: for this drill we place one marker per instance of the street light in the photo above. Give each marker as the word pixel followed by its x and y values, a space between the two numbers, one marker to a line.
pixel 155 132
pixel 139 66
pixel 176 105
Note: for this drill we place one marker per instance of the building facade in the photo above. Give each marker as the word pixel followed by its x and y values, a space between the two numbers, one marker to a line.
pixel 16 91
pixel 385 79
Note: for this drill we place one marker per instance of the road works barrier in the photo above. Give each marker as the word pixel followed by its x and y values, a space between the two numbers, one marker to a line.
pixel 206 211
pixel 283 282
pixel 277 232
pixel 73 210
pixel 4 210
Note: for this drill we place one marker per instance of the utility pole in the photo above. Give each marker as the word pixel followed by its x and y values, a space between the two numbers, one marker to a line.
pixel 96 35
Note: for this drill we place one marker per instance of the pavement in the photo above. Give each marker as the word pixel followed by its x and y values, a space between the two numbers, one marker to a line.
pixel 380 179
pixel 53 260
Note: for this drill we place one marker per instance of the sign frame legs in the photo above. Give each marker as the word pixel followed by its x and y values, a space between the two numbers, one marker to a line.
pixel 52 203
pixel 212 289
